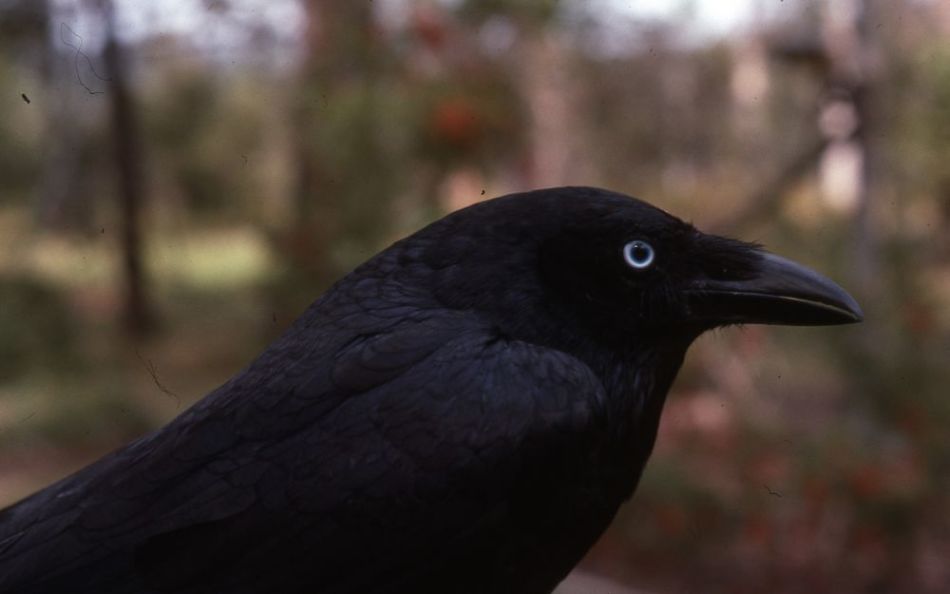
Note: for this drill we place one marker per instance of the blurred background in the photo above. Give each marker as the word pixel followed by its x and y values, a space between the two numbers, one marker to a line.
pixel 179 178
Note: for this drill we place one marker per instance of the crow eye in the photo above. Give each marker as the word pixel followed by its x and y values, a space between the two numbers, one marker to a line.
pixel 638 254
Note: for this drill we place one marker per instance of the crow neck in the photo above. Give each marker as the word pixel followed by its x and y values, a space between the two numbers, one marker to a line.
pixel 636 384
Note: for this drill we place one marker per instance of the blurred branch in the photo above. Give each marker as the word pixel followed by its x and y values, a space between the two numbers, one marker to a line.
pixel 767 198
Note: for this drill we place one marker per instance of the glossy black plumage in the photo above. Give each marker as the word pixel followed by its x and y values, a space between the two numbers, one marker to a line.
pixel 463 413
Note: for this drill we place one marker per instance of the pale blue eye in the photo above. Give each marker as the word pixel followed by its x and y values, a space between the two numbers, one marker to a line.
pixel 638 254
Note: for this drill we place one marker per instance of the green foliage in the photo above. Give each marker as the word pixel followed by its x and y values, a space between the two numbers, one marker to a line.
pixel 478 118
pixel 36 331
pixel 93 414
pixel 202 138
pixel 20 158
pixel 530 12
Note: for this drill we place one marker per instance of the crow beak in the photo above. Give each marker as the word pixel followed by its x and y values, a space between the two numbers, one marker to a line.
pixel 781 292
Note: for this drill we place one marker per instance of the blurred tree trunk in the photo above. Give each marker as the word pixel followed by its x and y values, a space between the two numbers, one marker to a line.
pixel 867 106
pixel 556 137
pixel 127 143
pixel 306 174
pixel 338 162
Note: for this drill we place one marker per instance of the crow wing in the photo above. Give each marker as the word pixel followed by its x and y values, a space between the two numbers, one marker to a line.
pixel 380 460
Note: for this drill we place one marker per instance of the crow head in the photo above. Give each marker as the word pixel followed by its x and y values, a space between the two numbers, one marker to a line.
pixel 572 262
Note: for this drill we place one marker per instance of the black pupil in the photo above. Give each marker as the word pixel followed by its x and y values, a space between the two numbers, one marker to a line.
pixel 640 253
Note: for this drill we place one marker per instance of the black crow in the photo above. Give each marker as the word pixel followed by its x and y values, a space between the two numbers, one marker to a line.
pixel 463 413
